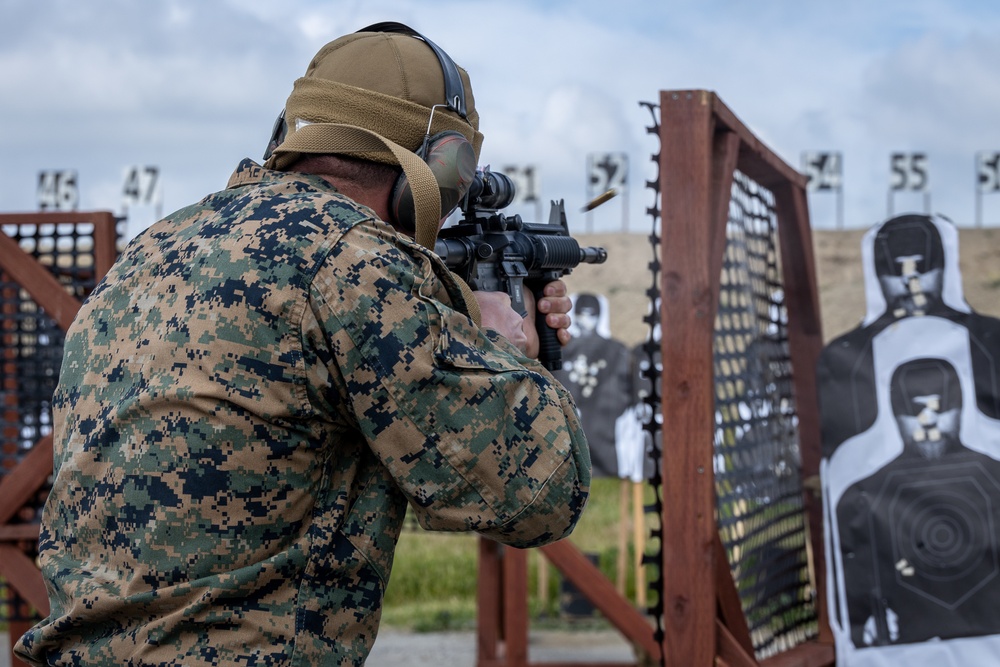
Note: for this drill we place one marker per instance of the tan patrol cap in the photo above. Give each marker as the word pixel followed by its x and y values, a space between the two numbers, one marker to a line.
pixel 383 82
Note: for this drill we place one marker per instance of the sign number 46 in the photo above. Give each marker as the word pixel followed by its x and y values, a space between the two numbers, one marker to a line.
pixel 58 191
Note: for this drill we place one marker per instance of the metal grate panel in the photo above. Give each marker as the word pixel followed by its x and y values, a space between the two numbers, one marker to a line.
pixel 760 507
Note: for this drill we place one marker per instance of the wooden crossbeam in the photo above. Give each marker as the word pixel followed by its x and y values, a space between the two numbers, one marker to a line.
pixel 21 572
pixel 36 280
pixel 20 485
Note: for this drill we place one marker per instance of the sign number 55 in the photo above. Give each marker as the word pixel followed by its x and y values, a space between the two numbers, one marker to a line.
pixel 908 171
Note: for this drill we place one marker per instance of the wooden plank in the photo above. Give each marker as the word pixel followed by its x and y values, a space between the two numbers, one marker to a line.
pixel 798 263
pixel 622 563
pixel 592 583
pixel 514 563
pixel 61 306
pixel 725 157
pixel 21 574
pixel 731 651
pixel 488 602
pixel 19 532
pixel 43 287
pixel 730 606
pixel 105 243
pixel 766 167
pixel 19 485
pixel 688 305
pixel 16 629
pixel 53 217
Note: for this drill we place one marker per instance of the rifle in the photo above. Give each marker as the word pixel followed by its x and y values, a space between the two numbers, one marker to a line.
pixel 495 252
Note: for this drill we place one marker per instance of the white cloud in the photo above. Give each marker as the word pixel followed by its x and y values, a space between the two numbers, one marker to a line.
pixel 194 86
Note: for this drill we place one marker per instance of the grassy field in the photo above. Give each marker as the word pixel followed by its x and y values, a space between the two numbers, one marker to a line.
pixel 433 582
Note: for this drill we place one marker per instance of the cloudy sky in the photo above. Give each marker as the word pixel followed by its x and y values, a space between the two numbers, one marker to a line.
pixel 193 86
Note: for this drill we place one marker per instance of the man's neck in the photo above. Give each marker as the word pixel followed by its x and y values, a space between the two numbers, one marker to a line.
pixel 367 183
pixel 377 199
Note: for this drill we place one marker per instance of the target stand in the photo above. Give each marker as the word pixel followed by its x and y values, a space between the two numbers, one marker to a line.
pixel 48 263
pixel 734 338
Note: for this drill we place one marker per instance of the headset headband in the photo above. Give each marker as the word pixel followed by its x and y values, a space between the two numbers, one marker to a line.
pixel 454 91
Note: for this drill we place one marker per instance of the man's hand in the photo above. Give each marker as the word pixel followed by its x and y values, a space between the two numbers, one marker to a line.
pixel 555 305
pixel 498 315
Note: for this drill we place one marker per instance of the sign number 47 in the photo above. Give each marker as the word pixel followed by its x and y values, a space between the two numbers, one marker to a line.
pixel 141 187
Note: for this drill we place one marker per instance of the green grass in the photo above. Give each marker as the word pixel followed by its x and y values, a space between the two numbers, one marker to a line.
pixel 434 576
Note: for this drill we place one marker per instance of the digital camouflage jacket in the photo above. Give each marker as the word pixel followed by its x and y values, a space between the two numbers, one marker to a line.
pixel 248 403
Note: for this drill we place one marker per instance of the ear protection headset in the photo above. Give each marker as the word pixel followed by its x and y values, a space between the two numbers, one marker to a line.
pixel 449 154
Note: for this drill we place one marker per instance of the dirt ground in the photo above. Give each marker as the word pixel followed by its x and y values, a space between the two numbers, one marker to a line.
pixel 458 649
pixel 625 277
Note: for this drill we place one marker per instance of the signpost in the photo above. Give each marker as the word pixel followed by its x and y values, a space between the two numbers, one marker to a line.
pixel 607 171
pixel 909 172
pixel 987 179
pixel 825 173
pixel 142 197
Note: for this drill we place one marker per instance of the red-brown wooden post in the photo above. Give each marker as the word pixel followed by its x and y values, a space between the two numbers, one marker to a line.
pixel 687 128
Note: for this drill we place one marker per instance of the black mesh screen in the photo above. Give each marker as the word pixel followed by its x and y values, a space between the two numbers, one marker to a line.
pixel 759 493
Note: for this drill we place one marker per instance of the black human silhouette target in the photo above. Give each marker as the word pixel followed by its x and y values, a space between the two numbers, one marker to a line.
pixel 910 411
pixel 944 543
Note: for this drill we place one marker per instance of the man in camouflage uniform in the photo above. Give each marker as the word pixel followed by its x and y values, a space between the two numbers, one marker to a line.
pixel 268 378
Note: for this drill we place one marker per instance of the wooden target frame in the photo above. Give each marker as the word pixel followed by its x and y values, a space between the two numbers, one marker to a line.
pixel 48 277
pixel 703 145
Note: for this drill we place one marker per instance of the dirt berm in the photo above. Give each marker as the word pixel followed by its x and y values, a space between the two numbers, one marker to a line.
pixel 625 277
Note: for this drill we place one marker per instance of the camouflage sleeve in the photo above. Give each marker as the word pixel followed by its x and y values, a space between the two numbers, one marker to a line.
pixel 478 437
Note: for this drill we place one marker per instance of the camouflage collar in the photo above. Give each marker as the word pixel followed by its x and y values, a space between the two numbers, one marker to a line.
pixel 249 172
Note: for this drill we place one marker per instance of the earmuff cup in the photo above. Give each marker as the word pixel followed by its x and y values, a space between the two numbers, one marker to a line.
pixel 452 160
